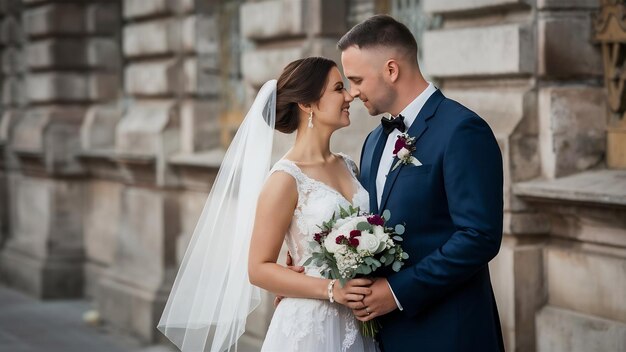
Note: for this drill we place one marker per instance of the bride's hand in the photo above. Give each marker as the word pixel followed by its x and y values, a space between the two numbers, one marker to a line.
pixel 290 266
pixel 354 291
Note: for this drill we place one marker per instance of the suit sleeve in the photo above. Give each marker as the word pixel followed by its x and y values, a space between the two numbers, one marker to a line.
pixel 363 150
pixel 473 179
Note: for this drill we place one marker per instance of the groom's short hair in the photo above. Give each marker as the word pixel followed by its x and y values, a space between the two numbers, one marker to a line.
pixel 381 30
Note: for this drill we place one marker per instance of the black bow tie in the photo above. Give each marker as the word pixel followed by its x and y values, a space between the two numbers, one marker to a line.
pixel 390 125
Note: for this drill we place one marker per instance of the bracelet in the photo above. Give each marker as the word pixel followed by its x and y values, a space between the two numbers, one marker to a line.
pixel 331 296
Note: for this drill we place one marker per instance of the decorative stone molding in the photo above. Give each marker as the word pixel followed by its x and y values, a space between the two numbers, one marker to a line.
pixel 610 31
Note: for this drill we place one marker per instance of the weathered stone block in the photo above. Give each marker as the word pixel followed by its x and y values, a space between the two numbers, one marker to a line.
pixel 131 295
pixel 98 128
pixel 616 148
pixel 12 91
pixel 11 31
pixel 104 53
pixel 191 205
pixel 45 257
pixel 479 51
pixel 572 129
pixel 157 78
pixel 57 87
pixel 298 18
pixel 141 128
pixel 259 66
pixel 104 86
pixel 199 80
pixel 516 274
pixel 567 4
pixel 567 58
pixel 190 32
pixel 587 282
pixel 199 125
pixel 103 18
pixel 51 132
pixel 560 330
pixel 152 38
pixel 13 61
pixel 434 6
pixel 136 9
pixel 53 20
pixel 102 219
pixel 255 26
pixel 11 6
pixel 57 54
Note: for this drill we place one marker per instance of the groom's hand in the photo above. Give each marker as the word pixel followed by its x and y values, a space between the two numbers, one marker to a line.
pixel 379 302
pixel 298 269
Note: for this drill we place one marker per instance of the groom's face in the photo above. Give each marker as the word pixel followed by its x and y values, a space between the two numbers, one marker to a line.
pixel 364 70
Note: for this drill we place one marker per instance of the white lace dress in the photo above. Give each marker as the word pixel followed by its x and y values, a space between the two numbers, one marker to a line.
pixel 313 325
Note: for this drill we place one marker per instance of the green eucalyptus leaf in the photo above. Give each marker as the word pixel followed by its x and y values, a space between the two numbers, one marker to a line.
pixel 364 226
pixel 396 266
pixel 386 215
pixel 399 229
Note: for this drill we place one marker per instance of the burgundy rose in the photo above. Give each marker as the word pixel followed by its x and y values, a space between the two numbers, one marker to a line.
pixel 318 237
pixel 355 233
pixel 376 220
pixel 340 239
pixel 354 242
pixel 400 143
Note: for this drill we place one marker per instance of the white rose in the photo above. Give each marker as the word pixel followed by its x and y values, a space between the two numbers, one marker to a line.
pixel 382 237
pixel 330 242
pixel 341 222
pixel 348 226
pixel 403 153
pixel 368 242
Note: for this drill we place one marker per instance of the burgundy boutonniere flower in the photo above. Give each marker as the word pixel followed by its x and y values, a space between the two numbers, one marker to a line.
pixel 404 148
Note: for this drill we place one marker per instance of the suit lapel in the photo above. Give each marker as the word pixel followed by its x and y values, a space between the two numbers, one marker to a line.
pixel 381 139
pixel 419 126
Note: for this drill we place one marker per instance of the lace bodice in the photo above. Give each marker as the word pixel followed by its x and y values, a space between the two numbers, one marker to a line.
pixel 316 203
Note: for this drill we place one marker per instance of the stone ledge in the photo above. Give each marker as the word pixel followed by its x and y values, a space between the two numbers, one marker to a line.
pixel 564 330
pixel 464 6
pixel 599 187
pixel 112 155
pixel 209 159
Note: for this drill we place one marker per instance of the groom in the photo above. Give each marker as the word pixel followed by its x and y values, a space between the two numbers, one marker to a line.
pixel 450 199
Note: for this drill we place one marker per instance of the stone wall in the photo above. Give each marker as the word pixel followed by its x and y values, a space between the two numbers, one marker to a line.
pixel 56 69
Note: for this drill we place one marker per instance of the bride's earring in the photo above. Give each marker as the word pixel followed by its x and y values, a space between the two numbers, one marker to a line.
pixel 310 119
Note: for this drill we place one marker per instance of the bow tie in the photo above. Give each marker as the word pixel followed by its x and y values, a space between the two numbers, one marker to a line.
pixel 391 124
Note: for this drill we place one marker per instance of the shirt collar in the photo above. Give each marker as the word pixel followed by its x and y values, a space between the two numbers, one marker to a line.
pixel 410 111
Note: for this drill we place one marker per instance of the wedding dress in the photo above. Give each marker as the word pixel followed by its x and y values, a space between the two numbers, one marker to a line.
pixel 315 325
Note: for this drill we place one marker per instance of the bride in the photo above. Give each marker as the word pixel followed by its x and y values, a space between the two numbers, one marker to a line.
pixel 253 209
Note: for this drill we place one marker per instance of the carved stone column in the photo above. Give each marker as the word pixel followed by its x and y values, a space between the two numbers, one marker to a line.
pixel 62 77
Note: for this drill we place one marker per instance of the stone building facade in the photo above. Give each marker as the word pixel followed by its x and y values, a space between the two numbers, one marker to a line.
pixel 115 116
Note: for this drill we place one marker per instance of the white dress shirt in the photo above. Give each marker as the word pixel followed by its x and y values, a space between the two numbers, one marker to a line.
pixel 410 113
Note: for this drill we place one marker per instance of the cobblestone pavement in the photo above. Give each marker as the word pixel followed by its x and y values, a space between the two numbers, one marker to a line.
pixel 31 325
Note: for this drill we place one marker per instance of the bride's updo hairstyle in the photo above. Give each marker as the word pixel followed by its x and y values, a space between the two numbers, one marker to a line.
pixel 302 81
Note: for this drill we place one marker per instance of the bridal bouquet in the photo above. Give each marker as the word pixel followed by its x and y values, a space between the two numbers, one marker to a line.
pixel 355 244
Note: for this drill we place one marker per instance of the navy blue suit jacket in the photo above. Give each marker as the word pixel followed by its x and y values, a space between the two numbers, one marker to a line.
pixel 452 206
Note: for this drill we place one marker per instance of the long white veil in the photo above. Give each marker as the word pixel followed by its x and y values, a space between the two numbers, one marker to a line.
pixel 212 295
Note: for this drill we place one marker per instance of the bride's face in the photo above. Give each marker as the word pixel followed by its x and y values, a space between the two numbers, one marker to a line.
pixel 332 108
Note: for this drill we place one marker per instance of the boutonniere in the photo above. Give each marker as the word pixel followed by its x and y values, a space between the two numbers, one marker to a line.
pixel 405 146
